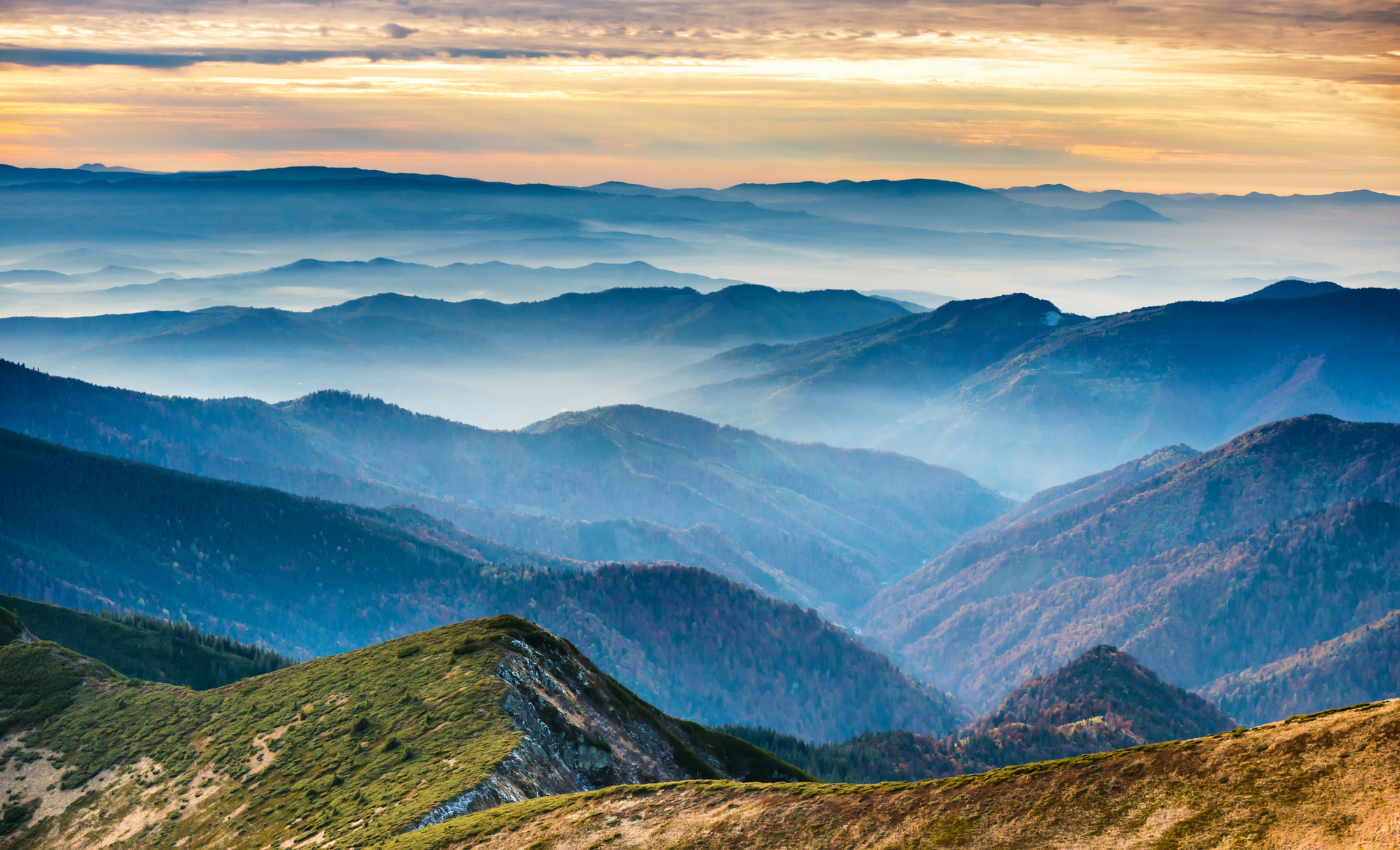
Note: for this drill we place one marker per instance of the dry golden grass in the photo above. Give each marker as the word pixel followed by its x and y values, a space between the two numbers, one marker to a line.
pixel 1326 781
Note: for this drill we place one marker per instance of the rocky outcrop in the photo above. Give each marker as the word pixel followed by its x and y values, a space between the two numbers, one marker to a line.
pixel 581 731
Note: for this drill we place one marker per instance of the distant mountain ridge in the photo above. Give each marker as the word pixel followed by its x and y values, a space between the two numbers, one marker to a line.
pixel 1291 288
pixel 869 373
pixel 396 325
pixel 1226 561
pixel 491 220
pixel 320 283
pixel 654 315
pixel 921 202
pixel 1065 401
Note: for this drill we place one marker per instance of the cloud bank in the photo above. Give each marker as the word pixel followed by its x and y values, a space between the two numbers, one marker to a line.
pixel 1268 91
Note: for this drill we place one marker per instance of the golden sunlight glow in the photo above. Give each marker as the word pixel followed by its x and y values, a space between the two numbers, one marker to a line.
pixel 714 94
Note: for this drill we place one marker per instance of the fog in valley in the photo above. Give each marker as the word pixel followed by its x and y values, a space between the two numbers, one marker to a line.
pixel 83 243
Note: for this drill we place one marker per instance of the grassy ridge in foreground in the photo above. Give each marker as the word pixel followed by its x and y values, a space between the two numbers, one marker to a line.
pixel 1326 780
pixel 352 748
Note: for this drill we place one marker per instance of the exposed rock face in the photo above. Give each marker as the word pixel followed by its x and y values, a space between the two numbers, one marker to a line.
pixel 581 731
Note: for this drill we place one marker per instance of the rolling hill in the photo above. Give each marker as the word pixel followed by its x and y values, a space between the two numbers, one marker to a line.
pixel 309 577
pixel 809 523
pixel 920 202
pixel 1048 405
pixel 356 747
pixel 310 283
pixel 390 324
pixel 1236 558
pixel 1103 700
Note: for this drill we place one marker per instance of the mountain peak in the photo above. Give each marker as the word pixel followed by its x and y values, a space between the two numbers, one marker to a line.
pixel 1108 685
pixel 1291 288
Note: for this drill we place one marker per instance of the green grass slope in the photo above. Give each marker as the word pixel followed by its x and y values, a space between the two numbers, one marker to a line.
pixel 308 577
pixel 350 749
pixel 145 648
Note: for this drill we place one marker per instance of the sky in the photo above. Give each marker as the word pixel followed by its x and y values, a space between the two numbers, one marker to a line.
pixel 1257 95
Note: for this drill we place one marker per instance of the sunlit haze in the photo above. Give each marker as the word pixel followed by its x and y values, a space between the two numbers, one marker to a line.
pixel 1278 97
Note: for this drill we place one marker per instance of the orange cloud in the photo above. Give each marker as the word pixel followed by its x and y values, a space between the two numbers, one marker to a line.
pixel 1287 94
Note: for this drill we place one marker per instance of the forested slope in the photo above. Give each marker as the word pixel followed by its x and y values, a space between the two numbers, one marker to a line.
pixel 1342 671
pixel 810 523
pixel 1103 700
pixel 1277 540
pixel 146 647
pixel 313 577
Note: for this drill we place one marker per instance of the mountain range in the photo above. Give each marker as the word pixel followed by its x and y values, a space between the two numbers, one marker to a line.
pixel 810 523
pixel 1091 252
pixel 502 365
pixel 446 219
pixel 308 283
pixel 274 592
pixel 922 203
pixel 1024 397
pixel 1280 540
pixel 388 324
pixel 308 577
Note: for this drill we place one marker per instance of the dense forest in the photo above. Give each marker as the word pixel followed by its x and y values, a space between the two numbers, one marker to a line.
pixel 1104 700
pixel 812 524
pixel 1214 565
pixel 309 577
pixel 147 647
pixel 1362 665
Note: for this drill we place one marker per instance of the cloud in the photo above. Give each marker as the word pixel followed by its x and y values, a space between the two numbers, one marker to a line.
pixel 32 57
pixel 962 83
pixel 42 57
